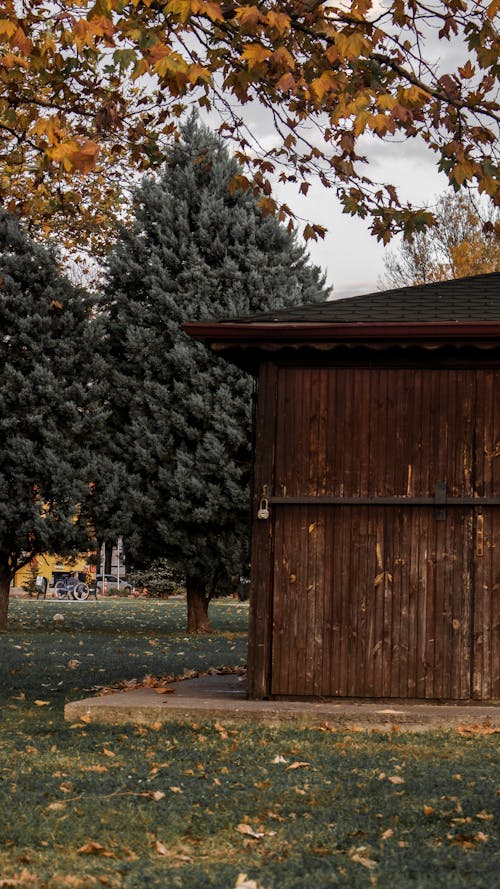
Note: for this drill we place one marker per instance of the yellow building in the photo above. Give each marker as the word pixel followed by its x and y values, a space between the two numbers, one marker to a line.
pixel 52 568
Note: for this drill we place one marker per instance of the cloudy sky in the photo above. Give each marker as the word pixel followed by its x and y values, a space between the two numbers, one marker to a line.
pixel 352 258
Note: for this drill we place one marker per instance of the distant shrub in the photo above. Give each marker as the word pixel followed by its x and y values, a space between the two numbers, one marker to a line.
pixel 159 578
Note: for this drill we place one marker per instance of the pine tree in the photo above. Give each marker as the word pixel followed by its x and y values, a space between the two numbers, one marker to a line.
pixel 182 418
pixel 46 380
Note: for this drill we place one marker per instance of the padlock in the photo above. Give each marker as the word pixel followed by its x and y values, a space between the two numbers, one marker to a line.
pixel 263 512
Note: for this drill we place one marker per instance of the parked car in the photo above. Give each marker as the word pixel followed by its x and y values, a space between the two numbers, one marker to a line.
pixel 112 582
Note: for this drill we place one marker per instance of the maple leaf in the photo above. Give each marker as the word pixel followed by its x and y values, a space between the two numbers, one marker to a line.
pixel 255 54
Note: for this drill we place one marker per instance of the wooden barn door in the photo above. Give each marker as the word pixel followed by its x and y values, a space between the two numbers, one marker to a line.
pixel 385 584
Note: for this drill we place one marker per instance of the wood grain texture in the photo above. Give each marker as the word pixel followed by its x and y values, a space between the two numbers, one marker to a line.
pixel 371 600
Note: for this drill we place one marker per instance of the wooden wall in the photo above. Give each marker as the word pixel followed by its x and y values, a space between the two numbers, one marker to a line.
pixel 369 599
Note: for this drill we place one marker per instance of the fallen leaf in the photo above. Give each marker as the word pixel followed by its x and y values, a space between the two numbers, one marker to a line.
pixel 222 731
pixel 157 795
pixel 278 759
pixel 107 752
pixel 160 848
pixel 42 703
pixel 176 789
pixel 247 831
pixel 56 807
pixel 396 779
pixel 93 848
pixel 388 834
pixel 366 862
pixel 164 691
pixel 297 765
pixel 476 729
pixel 244 883
pixel 427 810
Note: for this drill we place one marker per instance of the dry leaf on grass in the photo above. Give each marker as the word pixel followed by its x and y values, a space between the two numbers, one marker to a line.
pixel 26 880
pixel 244 883
pixel 160 848
pixel 396 779
pixel 42 703
pixel 297 765
pixel 366 862
pixel 246 830
pixel 93 848
pixel 479 728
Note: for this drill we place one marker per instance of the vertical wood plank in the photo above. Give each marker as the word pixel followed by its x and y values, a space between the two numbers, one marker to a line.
pixel 262 552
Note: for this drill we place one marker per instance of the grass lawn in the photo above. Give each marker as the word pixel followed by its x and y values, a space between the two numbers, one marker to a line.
pixel 197 805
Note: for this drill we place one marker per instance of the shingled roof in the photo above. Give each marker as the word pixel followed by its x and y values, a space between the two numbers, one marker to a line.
pixel 464 299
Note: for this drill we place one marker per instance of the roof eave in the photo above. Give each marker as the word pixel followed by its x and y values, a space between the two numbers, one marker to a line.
pixel 234 333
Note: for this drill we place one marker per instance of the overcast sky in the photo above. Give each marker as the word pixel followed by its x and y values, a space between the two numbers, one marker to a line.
pixel 352 258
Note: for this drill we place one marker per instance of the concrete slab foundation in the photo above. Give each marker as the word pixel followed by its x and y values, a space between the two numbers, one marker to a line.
pixel 223 698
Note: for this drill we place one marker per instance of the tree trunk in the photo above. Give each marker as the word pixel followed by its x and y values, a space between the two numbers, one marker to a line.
pixel 197 606
pixel 4 595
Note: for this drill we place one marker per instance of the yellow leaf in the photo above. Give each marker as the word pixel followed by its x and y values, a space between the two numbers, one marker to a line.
pixel 249 17
pixel 213 10
pixel 171 65
pixel 42 703
pixel 427 810
pixel 7 28
pixel 352 46
pixel 196 73
pixel 182 8
pixel 278 20
pixel 255 54
pixel 324 84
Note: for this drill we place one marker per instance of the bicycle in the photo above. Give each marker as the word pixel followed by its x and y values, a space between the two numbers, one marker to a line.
pixel 71 589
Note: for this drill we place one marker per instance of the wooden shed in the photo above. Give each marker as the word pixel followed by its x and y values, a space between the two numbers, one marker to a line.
pixel 376 556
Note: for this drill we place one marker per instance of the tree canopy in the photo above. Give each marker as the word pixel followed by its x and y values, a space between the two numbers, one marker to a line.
pixel 181 419
pixel 48 409
pixel 91 91
pixel 461 243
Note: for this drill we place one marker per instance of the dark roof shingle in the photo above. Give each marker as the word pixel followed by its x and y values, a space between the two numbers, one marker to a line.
pixel 464 299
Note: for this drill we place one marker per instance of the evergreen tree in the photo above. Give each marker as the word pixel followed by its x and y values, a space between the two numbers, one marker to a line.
pixel 182 418
pixel 45 420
